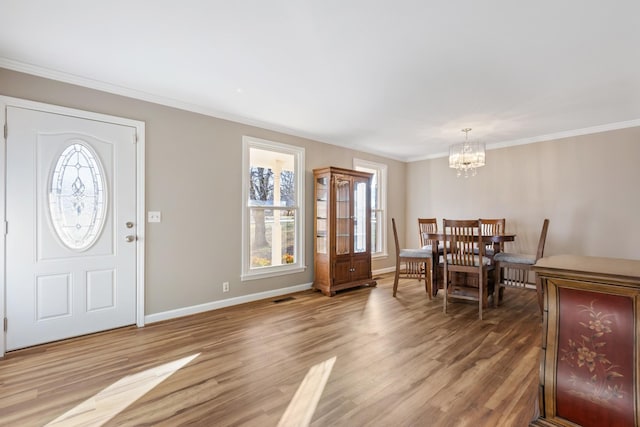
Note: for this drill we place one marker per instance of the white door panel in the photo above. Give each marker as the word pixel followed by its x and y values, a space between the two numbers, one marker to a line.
pixel 78 276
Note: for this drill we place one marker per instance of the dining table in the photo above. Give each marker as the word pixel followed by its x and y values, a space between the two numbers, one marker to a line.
pixel 495 239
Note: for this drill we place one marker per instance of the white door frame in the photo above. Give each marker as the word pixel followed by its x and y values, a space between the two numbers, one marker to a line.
pixel 5 102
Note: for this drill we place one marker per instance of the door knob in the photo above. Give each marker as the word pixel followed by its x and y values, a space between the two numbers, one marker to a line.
pixel 130 238
pixel 129 224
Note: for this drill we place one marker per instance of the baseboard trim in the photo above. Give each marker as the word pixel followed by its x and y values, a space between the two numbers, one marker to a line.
pixel 214 305
pixel 383 270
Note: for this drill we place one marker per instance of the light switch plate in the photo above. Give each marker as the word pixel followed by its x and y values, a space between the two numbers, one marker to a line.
pixel 154 216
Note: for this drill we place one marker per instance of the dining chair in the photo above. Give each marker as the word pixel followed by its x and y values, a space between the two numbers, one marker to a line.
pixel 427 225
pixel 464 253
pixel 512 269
pixel 493 227
pixel 417 263
pixel 430 225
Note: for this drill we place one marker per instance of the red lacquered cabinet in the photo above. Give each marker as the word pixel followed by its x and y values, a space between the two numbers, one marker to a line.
pixel 589 363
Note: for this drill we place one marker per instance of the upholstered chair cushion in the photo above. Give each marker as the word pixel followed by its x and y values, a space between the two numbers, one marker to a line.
pixel 515 258
pixel 415 253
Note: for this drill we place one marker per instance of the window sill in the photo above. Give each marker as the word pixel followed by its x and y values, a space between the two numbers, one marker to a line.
pixel 271 273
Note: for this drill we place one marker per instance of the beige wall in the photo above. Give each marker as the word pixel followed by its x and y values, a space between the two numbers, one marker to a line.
pixel 587 186
pixel 193 177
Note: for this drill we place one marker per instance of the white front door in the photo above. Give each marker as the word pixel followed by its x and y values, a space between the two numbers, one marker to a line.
pixel 71 226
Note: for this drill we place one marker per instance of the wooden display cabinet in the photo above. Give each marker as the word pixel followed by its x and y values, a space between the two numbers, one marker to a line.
pixel 589 367
pixel 342 229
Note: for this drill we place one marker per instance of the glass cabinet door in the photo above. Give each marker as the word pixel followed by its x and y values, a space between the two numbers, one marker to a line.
pixel 322 188
pixel 360 194
pixel 343 215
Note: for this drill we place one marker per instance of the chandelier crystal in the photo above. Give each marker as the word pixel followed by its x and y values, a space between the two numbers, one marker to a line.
pixel 467 156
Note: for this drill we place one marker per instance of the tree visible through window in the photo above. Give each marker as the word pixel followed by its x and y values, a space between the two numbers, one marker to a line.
pixel 273 220
pixel 263 194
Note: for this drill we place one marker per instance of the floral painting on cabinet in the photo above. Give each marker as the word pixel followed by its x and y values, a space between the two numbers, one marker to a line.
pixel 595 367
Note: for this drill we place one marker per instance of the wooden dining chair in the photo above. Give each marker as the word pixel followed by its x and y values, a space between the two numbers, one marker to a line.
pixel 416 262
pixel 464 253
pixel 427 225
pixel 493 227
pixel 513 269
pixel 430 225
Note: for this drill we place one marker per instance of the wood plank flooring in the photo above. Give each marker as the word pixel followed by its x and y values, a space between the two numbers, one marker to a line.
pixel 399 362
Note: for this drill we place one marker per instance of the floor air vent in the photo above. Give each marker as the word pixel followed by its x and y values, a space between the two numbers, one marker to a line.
pixel 285 299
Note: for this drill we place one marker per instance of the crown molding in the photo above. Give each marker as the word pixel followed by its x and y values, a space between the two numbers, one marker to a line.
pixel 548 137
pixel 65 77
pixel 181 105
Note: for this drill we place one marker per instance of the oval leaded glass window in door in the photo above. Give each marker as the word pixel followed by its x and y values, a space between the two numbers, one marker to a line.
pixel 77 196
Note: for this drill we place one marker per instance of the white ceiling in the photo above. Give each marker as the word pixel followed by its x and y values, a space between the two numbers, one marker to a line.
pixel 398 78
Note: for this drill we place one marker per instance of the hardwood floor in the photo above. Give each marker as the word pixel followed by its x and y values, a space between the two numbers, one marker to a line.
pixel 399 362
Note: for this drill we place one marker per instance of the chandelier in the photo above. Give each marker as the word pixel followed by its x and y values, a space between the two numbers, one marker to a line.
pixel 466 156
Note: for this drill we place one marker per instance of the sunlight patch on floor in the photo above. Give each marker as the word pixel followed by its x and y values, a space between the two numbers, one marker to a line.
pixel 304 402
pixel 105 405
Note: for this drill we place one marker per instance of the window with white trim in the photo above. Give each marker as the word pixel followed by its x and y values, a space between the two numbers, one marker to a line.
pixel 378 204
pixel 273 209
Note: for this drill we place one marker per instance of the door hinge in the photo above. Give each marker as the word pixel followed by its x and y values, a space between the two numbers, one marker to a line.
pixel 6 324
pixel 135 137
pixel 6 131
pixel 6 227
